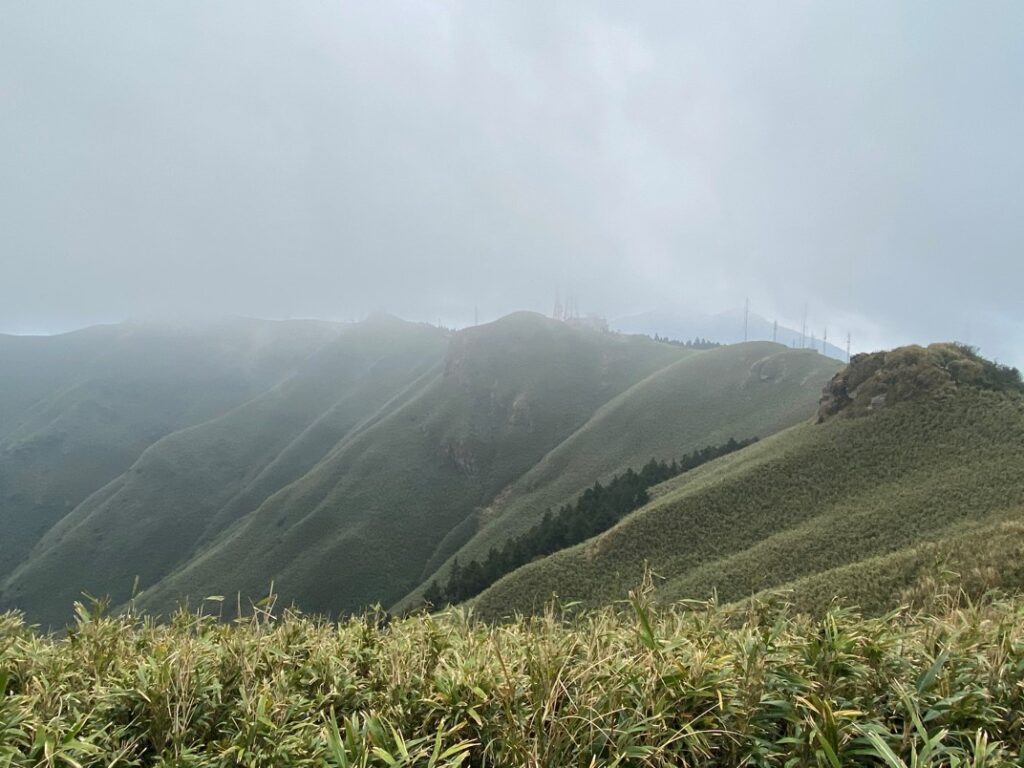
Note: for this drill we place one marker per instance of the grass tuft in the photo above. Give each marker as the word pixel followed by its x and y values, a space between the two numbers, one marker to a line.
pixel 632 685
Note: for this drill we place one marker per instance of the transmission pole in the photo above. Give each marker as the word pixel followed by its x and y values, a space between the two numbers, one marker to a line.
pixel 746 317
pixel 775 331
pixel 847 347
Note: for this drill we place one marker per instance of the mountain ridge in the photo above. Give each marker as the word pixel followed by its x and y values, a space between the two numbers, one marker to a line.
pixel 605 445
pixel 722 327
pixel 817 498
pixel 369 463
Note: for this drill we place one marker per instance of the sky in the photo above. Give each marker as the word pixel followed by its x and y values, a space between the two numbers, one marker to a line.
pixel 329 159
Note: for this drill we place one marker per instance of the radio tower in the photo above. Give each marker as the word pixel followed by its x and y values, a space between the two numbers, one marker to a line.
pixel 746 317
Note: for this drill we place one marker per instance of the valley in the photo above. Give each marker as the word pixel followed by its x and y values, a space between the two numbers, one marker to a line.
pixel 366 462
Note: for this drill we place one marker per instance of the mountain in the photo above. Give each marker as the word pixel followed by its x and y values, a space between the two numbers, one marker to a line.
pixel 76 410
pixel 351 474
pixel 189 485
pixel 360 527
pixel 723 327
pixel 741 391
pixel 911 469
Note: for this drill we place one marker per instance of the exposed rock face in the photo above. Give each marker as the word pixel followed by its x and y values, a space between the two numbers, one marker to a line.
pixel 771 368
pixel 878 380
pixel 463 455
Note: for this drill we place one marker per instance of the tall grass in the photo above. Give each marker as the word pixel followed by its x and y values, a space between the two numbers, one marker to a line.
pixel 636 685
pixel 806 503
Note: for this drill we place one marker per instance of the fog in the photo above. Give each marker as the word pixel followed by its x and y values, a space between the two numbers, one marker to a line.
pixel 316 159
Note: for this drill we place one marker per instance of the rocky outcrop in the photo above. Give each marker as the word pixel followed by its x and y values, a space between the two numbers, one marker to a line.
pixel 877 380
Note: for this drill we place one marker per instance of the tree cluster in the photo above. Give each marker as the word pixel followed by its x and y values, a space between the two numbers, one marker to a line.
pixel 597 509
pixel 697 342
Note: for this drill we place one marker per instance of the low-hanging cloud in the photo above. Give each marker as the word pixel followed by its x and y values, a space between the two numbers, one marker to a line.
pixel 328 159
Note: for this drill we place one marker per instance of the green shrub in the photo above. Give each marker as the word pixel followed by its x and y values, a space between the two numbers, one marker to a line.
pixel 638 685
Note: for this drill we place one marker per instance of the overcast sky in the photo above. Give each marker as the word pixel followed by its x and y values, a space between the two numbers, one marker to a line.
pixel 326 159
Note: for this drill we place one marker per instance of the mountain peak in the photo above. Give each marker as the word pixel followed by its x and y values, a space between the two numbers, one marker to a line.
pixel 878 379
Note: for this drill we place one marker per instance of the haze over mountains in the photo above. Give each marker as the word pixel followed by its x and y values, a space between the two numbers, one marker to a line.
pixel 356 464
pixel 76 410
pixel 345 463
pixel 298 160
pixel 495 481
pixel 729 327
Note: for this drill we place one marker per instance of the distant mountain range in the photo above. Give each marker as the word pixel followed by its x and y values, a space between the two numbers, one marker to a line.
pixel 347 464
pixel 355 464
pixel 723 327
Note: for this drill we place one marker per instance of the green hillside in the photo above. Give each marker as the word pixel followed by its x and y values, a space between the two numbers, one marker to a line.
pixel 192 483
pixel 976 558
pixel 361 525
pixel 740 391
pixel 349 475
pixel 76 410
pixel 915 466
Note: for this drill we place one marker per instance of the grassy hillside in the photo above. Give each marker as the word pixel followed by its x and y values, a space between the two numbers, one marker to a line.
pixel 915 448
pixel 76 410
pixel 643 687
pixel 191 484
pixel 37 366
pixel 360 526
pixel 741 391
pixel 975 557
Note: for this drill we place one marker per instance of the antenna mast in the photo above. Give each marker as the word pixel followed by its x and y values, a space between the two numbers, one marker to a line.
pixel 746 317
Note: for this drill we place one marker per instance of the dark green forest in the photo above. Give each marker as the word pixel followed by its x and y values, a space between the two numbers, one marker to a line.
pixel 596 510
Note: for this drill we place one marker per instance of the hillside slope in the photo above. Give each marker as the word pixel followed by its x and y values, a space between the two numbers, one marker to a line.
pixel 76 410
pixel 360 526
pixel 915 453
pixel 386 450
pixel 191 484
pixel 742 391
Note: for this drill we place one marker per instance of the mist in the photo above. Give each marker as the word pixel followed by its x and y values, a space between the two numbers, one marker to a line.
pixel 859 159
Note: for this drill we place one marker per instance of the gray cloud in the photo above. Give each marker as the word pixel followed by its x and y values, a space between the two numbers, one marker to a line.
pixel 327 159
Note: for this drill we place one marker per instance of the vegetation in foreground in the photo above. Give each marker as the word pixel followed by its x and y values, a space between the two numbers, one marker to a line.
pixel 639 686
